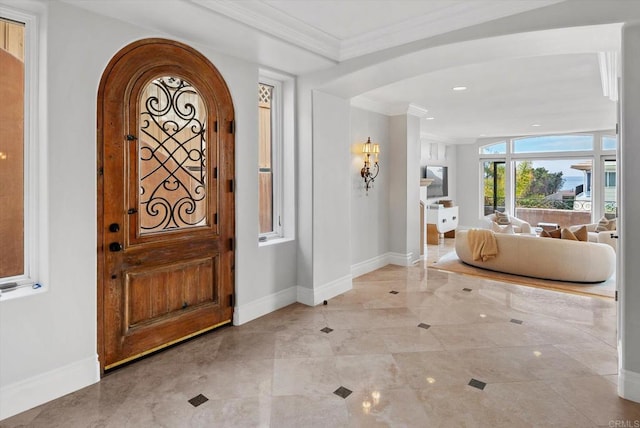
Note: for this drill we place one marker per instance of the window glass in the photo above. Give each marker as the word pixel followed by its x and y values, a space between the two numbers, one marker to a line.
pixel 265 158
pixel 609 142
pixel 554 191
pixel 497 148
pixel 553 143
pixel 494 186
pixel 610 189
pixel 12 152
pixel 171 156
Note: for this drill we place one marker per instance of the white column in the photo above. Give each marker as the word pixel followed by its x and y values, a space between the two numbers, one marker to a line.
pixel 628 272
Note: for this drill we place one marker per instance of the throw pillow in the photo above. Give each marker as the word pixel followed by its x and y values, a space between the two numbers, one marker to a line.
pixel 502 218
pixel 581 234
pixel 613 224
pixel 567 234
pixel 603 225
pixel 555 233
pixel 508 229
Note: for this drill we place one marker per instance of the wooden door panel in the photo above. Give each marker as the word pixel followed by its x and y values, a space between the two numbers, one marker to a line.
pixel 156 293
pixel 166 220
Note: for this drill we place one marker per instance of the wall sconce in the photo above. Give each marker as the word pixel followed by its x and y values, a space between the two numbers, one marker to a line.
pixel 368 172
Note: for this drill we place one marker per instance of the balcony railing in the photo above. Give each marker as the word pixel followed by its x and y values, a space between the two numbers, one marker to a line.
pixel 564 212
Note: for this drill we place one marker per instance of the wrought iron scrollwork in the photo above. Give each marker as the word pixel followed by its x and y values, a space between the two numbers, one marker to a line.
pixel 172 156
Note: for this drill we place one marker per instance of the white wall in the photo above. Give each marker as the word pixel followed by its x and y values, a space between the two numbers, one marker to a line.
pixel 404 190
pixel 398 185
pixel 48 341
pixel 369 210
pixel 413 186
pixel 331 193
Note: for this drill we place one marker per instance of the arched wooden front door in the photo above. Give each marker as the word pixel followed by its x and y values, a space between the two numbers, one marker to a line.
pixel 165 199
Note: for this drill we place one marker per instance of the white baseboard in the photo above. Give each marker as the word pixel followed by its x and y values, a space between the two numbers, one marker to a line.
pixel 629 385
pixel 264 305
pixel 305 296
pixel 315 296
pixel 400 259
pixel 370 265
pixel 36 390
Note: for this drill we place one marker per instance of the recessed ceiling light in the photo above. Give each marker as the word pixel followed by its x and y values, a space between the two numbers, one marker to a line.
pixel 429 118
pixel 459 88
pixel 536 124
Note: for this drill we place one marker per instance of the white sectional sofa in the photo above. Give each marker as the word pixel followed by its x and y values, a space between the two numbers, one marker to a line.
pixel 547 258
pixel 519 226
pixel 604 237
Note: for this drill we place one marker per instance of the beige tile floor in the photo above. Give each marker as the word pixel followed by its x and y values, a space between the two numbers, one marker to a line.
pixel 547 359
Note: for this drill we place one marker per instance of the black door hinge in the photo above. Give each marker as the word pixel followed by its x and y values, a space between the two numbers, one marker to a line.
pixel 231 186
pixel 131 137
pixel 232 243
pixel 231 300
pixel 616 298
pixel 100 171
pixel 215 172
pixel 232 126
pixel 215 126
pixel 215 218
pixel 617 128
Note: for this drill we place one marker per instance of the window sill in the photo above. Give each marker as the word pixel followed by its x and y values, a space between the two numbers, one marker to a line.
pixel 274 241
pixel 22 291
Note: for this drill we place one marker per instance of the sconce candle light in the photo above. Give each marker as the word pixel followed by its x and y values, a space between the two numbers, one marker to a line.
pixel 369 172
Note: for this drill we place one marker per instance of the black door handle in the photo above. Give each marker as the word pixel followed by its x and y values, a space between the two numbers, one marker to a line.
pixel 613 235
pixel 114 247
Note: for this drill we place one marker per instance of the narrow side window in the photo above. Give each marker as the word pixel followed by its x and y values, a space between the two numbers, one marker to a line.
pixel 13 260
pixel 22 156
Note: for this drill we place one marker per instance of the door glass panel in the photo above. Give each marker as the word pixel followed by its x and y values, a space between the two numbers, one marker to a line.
pixel 172 173
pixel 554 191
pixel 494 186
pixel 610 196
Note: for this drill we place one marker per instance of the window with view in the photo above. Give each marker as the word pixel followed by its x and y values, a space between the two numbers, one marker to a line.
pixel 551 180
pixel 22 248
pixel 12 173
pixel 554 191
pixel 265 172
pixel 494 186
pixel 553 143
pixel 269 159
pixel 493 149
pixel 609 142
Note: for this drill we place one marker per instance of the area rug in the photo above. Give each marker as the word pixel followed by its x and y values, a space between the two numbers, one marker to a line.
pixel 451 263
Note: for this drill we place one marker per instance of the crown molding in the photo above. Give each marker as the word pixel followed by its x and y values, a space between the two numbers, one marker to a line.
pixel 417 110
pixel 441 21
pixel 371 105
pixel 273 21
pixel 269 20
pixel 388 109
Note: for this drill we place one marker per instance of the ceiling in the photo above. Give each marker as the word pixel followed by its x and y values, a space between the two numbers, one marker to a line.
pixel 342 29
pixel 510 97
pixel 505 96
